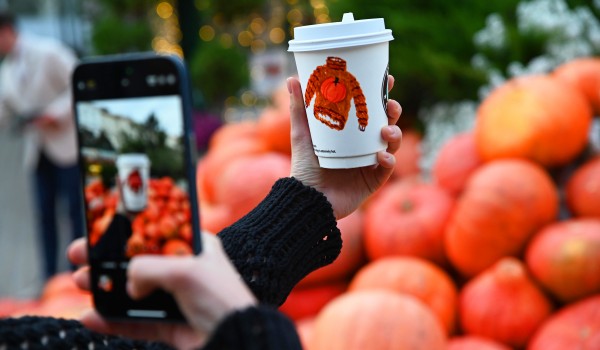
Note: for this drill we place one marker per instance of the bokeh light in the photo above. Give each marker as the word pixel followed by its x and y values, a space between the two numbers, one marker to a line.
pixel 206 33
pixel 277 35
pixel 164 10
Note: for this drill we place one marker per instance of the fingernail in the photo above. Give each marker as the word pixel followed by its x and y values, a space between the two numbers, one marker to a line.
pixel 393 130
pixel 289 85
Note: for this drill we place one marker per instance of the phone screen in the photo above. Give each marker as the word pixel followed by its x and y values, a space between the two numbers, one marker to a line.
pixel 137 173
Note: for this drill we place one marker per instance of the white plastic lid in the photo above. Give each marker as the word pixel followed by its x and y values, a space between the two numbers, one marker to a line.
pixel 346 33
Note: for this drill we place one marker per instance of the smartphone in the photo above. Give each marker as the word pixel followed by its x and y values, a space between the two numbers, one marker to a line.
pixel 137 159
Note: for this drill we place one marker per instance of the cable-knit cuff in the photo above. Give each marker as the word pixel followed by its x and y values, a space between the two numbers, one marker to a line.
pixel 291 233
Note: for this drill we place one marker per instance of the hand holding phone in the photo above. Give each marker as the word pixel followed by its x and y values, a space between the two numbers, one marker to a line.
pixel 138 174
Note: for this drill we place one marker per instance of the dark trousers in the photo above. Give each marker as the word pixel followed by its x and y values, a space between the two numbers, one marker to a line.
pixel 51 183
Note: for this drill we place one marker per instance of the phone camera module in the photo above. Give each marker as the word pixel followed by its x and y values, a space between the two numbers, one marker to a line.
pixel 125 82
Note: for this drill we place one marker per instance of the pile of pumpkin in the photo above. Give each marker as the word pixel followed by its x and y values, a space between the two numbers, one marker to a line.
pixel 163 227
pixel 498 247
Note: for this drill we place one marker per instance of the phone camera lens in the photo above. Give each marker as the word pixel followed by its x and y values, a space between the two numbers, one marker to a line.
pixel 151 80
pixel 125 82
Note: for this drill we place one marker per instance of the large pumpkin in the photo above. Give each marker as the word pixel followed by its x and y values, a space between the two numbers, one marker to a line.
pixel 535 117
pixel 246 181
pixel 416 277
pixel 408 157
pixel 565 258
pixel 214 217
pixel 381 320
pixel 503 304
pixel 584 74
pixel 583 189
pixel 229 142
pixel 575 326
pixel 455 162
pixel 408 219
pixel 351 257
pixel 504 203
pixel 474 342
pixel 306 302
pixel 274 128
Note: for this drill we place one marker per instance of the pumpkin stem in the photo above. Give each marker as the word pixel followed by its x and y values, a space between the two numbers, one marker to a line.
pixel 406 206
pixel 336 81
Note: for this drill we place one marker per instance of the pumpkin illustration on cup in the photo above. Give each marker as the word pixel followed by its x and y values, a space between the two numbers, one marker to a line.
pixel 335 88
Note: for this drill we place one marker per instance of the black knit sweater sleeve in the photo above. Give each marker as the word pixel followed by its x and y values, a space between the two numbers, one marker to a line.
pixel 291 233
pixel 255 328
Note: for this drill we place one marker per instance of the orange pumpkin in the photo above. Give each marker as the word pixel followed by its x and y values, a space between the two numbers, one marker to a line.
pixel 584 74
pixel 214 218
pixel 60 284
pixel 474 342
pixel 455 162
pixel 225 147
pixel 333 90
pixel 408 157
pixel 575 326
pixel 565 258
pixel 408 219
pixel 231 132
pixel 503 205
pixel 582 191
pixel 247 180
pixel 10 306
pixel 504 304
pixel 305 302
pixel 416 277
pixel 377 319
pixel 274 128
pixel 535 117
pixel 351 256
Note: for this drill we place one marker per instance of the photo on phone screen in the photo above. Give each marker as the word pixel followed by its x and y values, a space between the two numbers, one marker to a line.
pixel 137 172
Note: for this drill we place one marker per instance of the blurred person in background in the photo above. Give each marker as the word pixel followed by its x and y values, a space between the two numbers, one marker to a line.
pixel 35 97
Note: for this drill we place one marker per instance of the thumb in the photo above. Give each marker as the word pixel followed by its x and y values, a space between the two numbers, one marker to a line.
pixel 301 140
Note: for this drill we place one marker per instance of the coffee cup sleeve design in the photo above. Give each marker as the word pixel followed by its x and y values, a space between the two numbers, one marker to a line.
pixel 335 88
pixel 134 180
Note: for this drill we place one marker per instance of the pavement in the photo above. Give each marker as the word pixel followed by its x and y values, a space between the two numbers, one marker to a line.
pixel 20 266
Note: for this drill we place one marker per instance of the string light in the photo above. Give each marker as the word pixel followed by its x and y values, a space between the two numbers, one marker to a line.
pixel 206 33
pixel 245 38
pixel 277 36
pixel 169 34
pixel 164 10
pixel 256 33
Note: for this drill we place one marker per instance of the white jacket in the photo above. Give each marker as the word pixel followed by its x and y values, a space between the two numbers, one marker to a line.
pixel 35 78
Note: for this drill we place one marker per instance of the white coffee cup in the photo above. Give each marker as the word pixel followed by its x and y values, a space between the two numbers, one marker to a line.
pixel 133 174
pixel 343 69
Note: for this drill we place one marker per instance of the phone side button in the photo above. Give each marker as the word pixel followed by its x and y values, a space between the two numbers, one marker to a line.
pixel 147 313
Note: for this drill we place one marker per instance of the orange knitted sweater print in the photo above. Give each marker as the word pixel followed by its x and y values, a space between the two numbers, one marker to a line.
pixel 334 88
